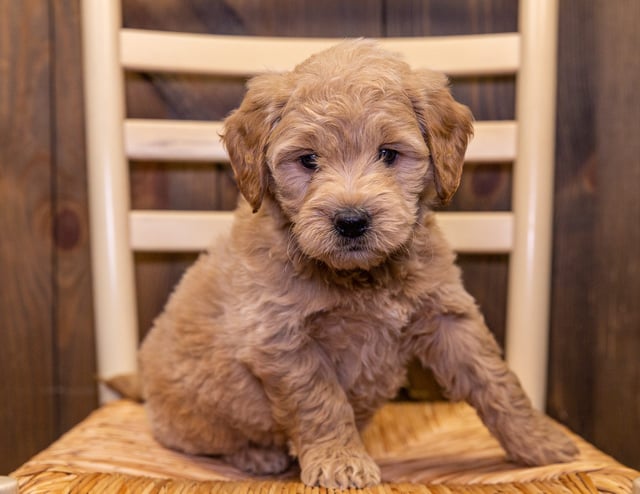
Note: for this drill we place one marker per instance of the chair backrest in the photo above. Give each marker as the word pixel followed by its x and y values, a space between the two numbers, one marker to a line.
pixel 524 233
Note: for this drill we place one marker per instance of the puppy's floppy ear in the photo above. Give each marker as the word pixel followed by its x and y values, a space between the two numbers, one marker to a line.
pixel 246 134
pixel 446 126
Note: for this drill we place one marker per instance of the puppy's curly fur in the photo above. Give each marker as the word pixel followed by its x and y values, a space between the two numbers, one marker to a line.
pixel 284 338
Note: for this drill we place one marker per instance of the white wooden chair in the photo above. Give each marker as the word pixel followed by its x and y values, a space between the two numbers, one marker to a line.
pixel 117 232
pixel 528 143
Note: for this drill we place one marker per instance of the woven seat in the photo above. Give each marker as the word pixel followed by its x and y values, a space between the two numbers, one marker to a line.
pixel 418 446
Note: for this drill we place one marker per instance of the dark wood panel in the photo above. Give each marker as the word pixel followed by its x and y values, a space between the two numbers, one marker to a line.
pixel 572 363
pixel 617 240
pixel 27 413
pixel 156 276
pixel 419 17
pixel 594 383
pixel 266 17
pixel 76 391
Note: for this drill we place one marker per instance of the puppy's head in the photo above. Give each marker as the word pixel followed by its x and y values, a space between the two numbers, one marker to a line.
pixel 352 144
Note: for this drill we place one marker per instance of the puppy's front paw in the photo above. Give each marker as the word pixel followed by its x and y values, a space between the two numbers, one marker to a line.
pixel 539 442
pixel 339 469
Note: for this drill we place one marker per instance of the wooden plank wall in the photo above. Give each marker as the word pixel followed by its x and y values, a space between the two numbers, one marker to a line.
pixel 46 319
pixel 594 381
pixel 46 342
pixel 27 364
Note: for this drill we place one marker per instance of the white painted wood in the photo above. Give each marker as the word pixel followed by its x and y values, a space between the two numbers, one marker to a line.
pixel 636 486
pixel 8 485
pixel 176 231
pixel 529 274
pixel 179 140
pixel 493 142
pixel 174 140
pixel 112 260
pixel 478 232
pixel 155 51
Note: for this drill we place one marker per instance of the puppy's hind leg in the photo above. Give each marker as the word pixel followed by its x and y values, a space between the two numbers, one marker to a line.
pixel 183 429
pixel 260 460
pixel 467 362
pixel 205 434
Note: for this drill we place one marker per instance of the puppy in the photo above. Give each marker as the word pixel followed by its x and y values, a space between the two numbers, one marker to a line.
pixel 285 338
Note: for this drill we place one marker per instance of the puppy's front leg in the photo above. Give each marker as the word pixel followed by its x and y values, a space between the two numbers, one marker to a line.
pixel 467 362
pixel 309 403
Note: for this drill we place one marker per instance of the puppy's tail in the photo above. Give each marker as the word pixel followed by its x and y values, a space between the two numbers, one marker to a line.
pixel 126 385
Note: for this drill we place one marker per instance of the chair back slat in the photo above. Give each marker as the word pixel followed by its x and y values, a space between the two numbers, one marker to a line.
pixel 190 231
pixel 193 141
pixel 242 56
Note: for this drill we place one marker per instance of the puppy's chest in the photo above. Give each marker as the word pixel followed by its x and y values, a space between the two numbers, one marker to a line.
pixel 363 341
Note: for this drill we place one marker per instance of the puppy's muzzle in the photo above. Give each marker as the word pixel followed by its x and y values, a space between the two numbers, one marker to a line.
pixel 351 222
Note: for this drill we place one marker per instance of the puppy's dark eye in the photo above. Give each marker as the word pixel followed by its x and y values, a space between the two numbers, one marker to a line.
pixel 309 161
pixel 387 156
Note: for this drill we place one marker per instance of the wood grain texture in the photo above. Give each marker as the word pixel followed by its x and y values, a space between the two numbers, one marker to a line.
pixel 27 379
pixel 595 320
pixel 572 360
pixel 617 234
pixel 72 311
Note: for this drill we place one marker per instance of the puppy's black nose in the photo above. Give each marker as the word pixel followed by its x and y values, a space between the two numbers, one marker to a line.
pixel 351 222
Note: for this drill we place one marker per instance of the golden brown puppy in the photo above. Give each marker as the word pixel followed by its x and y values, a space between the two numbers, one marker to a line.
pixel 284 338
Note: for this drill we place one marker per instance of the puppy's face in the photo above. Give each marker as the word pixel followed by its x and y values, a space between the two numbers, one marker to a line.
pixel 352 145
pixel 349 166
